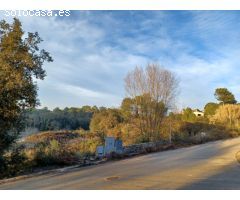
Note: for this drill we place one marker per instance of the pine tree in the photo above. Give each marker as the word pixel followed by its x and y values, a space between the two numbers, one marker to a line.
pixel 225 96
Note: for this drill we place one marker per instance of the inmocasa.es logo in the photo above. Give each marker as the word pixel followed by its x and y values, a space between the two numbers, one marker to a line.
pixel 37 13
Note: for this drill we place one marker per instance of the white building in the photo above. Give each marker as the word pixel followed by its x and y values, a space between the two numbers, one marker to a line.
pixel 198 113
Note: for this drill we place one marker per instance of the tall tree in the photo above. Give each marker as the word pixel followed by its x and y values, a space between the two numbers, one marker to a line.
pixel 224 96
pixel 21 60
pixel 153 90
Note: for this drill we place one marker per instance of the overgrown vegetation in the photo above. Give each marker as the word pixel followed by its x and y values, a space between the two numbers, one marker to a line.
pixel 60 148
pixel 21 61
pixel 50 149
pixel 71 135
pixel 60 119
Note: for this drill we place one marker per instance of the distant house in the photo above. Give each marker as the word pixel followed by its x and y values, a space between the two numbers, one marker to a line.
pixel 198 113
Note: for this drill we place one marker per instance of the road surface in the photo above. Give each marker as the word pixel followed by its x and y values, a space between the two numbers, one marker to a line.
pixel 208 166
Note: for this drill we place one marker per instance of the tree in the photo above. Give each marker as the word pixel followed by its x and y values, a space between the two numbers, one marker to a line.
pixel 106 122
pixel 68 118
pixel 224 96
pixel 188 115
pixel 210 108
pixel 21 60
pixel 130 132
pixel 126 108
pixel 153 91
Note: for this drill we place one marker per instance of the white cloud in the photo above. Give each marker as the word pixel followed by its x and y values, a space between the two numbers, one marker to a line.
pixel 94 51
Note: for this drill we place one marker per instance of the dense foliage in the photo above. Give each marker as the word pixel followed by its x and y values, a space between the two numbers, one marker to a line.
pixel 227 115
pixel 210 108
pixel 224 96
pixel 60 147
pixel 21 61
pixel 60 119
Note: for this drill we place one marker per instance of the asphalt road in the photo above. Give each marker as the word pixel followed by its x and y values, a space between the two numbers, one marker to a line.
pixel 208 166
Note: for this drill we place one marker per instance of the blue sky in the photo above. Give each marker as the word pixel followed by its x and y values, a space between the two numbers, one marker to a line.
pixel 94 50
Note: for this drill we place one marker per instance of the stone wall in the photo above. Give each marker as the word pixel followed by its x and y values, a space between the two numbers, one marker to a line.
pixel 144 147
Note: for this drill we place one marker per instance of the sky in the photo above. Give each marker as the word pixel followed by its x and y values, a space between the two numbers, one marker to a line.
pixel 94 50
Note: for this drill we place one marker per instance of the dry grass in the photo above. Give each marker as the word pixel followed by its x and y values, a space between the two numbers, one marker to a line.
pixel 60 148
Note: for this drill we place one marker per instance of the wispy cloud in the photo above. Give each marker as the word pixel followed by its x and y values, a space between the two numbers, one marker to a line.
pixel 94 50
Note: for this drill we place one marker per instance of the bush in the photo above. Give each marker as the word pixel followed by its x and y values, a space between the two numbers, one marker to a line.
pixel 52 154
pixel 14 162
pixel 61 148
pixel 199 132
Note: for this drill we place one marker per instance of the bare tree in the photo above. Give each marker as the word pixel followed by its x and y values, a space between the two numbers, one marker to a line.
pixel 153 90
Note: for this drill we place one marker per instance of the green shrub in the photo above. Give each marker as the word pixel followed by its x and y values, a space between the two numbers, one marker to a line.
pixel 14 162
